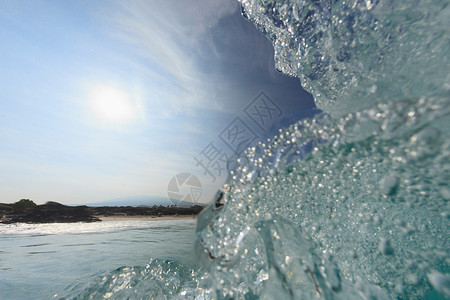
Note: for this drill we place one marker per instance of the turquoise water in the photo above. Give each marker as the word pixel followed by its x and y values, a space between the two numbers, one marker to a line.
pixel 366 213
pixel 353 204
pixel 54 260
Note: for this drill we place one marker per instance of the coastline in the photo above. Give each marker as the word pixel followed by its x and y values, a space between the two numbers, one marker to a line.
pixel 145 218
pixel 26 211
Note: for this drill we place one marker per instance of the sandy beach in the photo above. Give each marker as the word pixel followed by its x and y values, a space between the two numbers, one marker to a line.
pixel 145 218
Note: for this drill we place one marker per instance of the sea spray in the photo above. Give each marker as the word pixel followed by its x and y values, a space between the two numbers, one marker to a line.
pixel 365 186
pixel 349 54
pixel 370 203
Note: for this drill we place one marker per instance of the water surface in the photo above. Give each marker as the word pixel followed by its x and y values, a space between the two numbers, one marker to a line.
pixel 40 261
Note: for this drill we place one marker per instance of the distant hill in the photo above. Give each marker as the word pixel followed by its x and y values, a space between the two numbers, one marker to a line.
pixel 142 201
pixel 26 211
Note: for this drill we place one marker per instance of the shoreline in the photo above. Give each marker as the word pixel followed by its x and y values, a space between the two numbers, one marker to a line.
pixel 145 218
pixel 26 211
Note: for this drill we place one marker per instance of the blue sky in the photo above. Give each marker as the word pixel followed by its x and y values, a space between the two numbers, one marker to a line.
pixel 108 99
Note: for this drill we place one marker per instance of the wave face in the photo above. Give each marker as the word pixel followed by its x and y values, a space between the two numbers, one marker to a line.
pixel 349 54
pixel 364 215
pixel 353 204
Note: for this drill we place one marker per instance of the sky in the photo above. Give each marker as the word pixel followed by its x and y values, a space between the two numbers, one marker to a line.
pixel 109 99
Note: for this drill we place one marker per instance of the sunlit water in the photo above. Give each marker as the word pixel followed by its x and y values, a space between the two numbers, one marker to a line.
pixel 54 260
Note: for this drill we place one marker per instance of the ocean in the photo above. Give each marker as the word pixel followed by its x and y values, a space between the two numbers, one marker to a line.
pixel 53 261
pixel 352 204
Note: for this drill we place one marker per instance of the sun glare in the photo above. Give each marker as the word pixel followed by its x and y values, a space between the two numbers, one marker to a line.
pixel 112 104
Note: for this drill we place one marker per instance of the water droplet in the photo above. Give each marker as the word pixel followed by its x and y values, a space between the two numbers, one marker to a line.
pixel 441 282
pixel 385 247
pixel 389 184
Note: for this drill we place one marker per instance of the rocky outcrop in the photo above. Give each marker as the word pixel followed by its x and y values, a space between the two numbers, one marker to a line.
pixel 26 211
pixel 51 212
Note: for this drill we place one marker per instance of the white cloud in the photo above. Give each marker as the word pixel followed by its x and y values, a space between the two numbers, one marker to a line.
pixel 170 35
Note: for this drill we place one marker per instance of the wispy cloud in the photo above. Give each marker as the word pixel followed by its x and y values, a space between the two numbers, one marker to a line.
pixel 171 40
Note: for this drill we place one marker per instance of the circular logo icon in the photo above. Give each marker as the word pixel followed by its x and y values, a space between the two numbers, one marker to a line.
pixel 184 187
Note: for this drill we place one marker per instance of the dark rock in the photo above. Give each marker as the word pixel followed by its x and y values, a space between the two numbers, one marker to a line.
pixel 26 211
pixel 51 212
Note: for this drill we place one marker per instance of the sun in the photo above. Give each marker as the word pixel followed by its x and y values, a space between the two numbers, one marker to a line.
pixel 112 104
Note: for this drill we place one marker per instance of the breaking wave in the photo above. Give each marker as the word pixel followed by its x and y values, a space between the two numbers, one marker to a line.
pixel 353 204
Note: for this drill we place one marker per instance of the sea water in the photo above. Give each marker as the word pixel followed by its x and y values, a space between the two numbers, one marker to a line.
pixel 353 204
pixel 46 261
